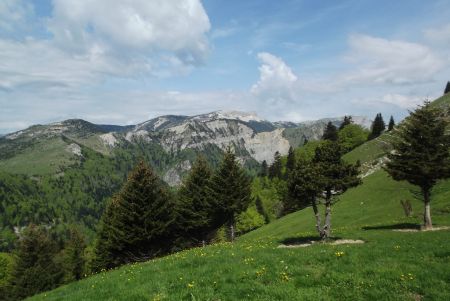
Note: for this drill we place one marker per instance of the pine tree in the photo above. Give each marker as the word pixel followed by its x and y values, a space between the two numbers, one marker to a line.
pixel 334 176
pixel 330 132
pixel 347 121
pixel 276 168
pixel 264 169
pixel 230 187
pixel 378 126
pixel 74 260
pixel 137 224
pixel 290 163
pixel 196 209
pixel 447 88
pixel 35 269
pixel 106 255
pixel 391 124
pixel 303 189
pixel 421 153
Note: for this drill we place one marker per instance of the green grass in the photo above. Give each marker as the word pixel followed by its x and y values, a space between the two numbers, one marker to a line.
pixel 255 269
pixel 391 265
pixel 42 158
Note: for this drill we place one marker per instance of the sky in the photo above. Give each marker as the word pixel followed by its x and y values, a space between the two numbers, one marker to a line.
pixel 127 61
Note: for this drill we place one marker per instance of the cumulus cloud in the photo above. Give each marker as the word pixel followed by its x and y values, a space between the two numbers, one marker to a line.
pixel 95 39
pixel 383 61
pixel 133 27
pixel 277 81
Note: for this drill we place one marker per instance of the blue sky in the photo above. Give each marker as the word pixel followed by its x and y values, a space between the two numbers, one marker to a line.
pixel 124 62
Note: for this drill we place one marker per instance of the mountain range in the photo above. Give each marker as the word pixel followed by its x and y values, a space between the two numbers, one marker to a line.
pixel 52 148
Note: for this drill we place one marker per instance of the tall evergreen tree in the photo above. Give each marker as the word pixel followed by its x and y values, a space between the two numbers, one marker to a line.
pixel 74 260
pixel 230 187
pixel 276 168
pixel 378 126
pixel 391 124
pixel 347 121
pixel 447 88
pixel 330 132
pixel 264 169
pixel 35 269
pixel 196 208
pixel 138 221
pixel 421 153
pixel 334 176
pixel 290 162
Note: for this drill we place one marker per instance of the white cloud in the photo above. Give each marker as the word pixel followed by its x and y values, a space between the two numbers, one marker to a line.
pixel 277 81
pixel 402 101
pixel 383 61
pixel 133 26
pixel 14 14
pixel 439 36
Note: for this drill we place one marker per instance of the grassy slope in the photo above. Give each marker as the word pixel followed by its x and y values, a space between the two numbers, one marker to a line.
pixel 389 266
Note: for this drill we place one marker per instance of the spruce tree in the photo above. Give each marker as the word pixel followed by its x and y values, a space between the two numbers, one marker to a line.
pixel 74 260
pixel 347 121
pixel 391 124
pixel 231 188
pixel 264 169
pixel 138 221
pixel 106 255
pixel 290 162
pixel 447 88
pixel 35 269
pixel 330 132
pixel 378 126
pixel 334 176
pixel 196 208
pixel 421 153
pixel 276 168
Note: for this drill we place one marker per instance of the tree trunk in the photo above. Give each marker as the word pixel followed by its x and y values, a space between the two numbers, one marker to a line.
pixel 318 221
pixel 327 227
pixel 203 243
pixel 427 224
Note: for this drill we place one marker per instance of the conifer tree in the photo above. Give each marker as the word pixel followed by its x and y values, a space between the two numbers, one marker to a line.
pixel 196 209
pixel 137 224
pixel 334 177
pixel 290 163
pixel 106 255
pixel 421 153
pixel 230 187
pixel 276 168
pixel 303 189
pixel 74 261
pixel 347 120
pixel 35 269
pixel 264 169
pixel 391 124
pixel 330 132
pixel 447 88
pixel 378 126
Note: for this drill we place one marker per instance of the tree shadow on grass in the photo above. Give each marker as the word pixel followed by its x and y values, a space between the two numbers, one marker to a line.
pixel 305 240
pixel 402 226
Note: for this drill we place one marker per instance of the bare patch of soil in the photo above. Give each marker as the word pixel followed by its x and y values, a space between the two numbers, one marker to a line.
pixel 422 230
pixel 336 242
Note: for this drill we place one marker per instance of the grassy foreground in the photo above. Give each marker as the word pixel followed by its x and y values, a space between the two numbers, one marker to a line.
pixel 389 266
